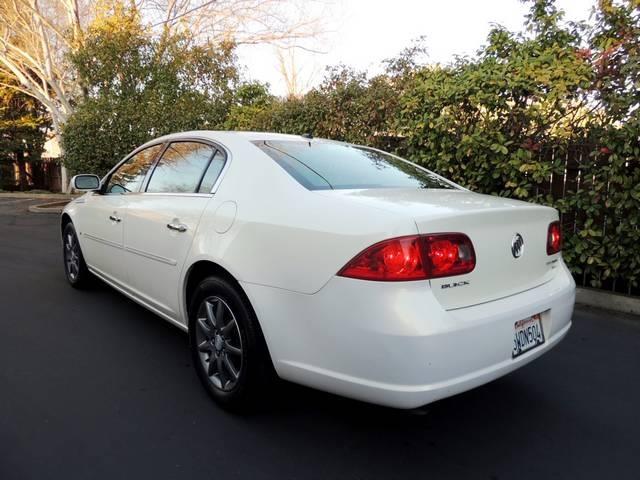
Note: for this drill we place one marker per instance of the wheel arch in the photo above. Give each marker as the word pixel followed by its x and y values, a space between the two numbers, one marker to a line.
pixel 197 272
pixel 64 220
pixel 202 269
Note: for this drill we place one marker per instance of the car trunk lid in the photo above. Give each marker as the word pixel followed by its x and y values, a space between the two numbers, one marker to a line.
pixel 509 238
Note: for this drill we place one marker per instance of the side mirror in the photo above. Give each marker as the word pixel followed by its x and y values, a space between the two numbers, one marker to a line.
pixel 86 182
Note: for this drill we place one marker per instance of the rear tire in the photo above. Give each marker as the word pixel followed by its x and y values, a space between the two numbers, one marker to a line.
pixel 227 346
pixel 75 267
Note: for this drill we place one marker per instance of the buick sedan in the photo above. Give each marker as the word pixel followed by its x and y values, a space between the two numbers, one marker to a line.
pixel 336 266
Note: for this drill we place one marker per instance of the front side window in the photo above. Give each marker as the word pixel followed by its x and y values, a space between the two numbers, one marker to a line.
pixel 130 175
pixel 322 165
pixel 181 168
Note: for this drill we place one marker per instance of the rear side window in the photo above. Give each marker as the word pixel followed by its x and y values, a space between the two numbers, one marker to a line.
pixel 130 175
pixel 321 165
pixel 212 173
pixel 181 168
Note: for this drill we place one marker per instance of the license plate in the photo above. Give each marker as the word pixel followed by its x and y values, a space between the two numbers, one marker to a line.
pixel 528 334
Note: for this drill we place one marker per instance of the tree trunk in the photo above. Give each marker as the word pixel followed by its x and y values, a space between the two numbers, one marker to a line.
pixel 64 175
pixel 22 171
pixel 64 179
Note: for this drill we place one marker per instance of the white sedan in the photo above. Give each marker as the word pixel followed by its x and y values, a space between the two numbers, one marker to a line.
pixel 332 265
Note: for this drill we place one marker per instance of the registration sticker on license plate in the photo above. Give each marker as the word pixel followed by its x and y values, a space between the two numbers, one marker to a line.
pixel 528 335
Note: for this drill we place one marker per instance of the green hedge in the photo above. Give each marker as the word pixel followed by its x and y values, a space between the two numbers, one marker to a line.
pixel 558 102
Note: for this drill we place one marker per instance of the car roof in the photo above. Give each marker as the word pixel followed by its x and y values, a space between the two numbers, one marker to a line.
pixel 230 136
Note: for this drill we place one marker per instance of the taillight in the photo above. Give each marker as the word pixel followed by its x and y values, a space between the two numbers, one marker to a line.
pixel 449 254
pixel 415 257
pixel 395 259
pixel 554 238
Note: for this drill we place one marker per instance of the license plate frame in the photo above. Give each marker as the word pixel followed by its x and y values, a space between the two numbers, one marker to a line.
pixel 528 334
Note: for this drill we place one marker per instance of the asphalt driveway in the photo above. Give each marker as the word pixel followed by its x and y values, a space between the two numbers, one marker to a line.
pixel 93 386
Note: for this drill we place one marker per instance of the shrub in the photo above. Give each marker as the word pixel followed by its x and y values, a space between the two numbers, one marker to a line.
pixel 139 87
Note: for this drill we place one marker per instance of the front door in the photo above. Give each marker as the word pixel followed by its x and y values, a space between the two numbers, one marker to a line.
pixel 100 231
pixel 101 219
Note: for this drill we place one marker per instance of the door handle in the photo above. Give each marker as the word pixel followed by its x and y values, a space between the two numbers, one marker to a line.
pixel 113 218
pixel 177 227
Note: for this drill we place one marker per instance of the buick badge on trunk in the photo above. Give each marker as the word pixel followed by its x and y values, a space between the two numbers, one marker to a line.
pixel 517 246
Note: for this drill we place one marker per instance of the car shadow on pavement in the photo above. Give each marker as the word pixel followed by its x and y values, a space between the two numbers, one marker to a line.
pixel 506 397
pixel 485 429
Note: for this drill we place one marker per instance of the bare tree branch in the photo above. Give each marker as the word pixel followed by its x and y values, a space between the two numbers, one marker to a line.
pixel 37 35
pixel 34 36
pixel 297 80
pixel 242 21
pixel 172 18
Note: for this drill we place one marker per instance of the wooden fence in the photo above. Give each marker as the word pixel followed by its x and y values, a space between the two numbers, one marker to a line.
pixel 579 170
pixel 39 175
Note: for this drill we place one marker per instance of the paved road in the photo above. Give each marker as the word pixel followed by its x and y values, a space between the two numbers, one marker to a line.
pixel 13 206
pixel 92 386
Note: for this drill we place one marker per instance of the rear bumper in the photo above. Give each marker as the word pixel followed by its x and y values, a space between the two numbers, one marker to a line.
pixel 394 345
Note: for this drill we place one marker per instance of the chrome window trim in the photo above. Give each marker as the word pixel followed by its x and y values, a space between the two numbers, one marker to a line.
pixel 225 167
pixel 152 168
pixel 149 176
pixel 166 141
pixel 213 143
pixel 207 141
pixel 107 177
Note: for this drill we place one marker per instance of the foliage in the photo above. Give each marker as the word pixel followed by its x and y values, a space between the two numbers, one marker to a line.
pixel 606 243
pixel 489 123
pixel 501 122
pixel 22 131
pixel 482 121
pixel 346 106
pixel 139 87
pixel 252 102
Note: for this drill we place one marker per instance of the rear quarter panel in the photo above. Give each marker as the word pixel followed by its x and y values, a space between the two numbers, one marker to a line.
pixel 284 235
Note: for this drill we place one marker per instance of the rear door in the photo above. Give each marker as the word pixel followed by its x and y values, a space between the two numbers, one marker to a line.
pixel 100 220
pixel 161 221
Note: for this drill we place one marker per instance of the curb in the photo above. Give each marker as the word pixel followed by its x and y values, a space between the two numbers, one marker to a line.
pixel 37 196
pixel 608 301
pixel 52 207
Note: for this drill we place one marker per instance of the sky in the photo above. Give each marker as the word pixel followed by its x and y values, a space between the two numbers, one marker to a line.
pixel 361 33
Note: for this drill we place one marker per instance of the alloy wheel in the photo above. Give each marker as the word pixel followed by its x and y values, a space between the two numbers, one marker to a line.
pixel 219 343
pixel 72 256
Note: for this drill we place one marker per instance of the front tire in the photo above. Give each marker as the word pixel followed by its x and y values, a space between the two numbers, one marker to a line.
pixel 75 267
pixel 227 347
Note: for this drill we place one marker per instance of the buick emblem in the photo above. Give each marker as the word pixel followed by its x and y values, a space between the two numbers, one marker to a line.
pixel 517 246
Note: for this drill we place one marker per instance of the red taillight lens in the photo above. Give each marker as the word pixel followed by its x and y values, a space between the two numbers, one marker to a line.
pixel 395 259
pixel 416 257
pixel 554 238
pixel 449 254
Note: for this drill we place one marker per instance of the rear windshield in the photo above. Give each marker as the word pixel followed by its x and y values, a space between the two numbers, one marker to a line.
pixel 319 165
